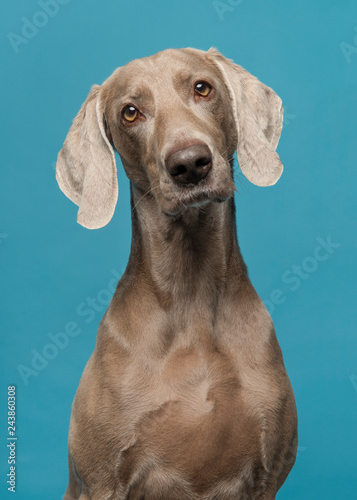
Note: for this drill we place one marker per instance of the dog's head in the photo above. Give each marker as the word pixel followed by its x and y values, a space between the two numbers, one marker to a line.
pixel 175 119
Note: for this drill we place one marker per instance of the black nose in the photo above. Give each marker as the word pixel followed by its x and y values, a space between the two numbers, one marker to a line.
pixel 189 165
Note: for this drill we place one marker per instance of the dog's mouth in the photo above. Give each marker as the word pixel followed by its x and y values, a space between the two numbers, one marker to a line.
pixel 196 196
pixel 203 197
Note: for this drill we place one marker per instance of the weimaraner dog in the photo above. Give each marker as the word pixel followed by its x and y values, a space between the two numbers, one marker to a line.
pixel 186 395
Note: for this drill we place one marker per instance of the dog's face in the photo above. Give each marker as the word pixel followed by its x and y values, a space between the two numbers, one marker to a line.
pixel 170 118
pixel 175 119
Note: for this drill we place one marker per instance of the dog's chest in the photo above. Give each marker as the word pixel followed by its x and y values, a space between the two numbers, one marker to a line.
pixel 190 419
pixel 196 423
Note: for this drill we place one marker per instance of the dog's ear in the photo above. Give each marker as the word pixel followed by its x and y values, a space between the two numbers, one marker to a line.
pixel 258 114
pixel 86 170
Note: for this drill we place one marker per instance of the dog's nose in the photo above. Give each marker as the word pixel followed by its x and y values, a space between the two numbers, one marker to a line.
pixel 189 165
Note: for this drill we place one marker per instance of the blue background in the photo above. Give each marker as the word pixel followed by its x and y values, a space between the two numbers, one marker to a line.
pixel 51 265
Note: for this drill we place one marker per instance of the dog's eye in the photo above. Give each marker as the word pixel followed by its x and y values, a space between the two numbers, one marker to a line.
pixel 203 89
pixel 130 113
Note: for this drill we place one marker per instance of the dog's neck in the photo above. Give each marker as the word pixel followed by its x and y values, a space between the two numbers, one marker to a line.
pixel 188 259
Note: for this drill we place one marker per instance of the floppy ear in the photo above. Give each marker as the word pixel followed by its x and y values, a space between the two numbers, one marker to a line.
pixel 86 170
pixel 258 113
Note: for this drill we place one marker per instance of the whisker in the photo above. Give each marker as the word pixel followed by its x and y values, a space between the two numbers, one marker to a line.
pixel 143 196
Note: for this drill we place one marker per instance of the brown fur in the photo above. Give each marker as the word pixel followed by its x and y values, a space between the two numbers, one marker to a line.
pixel 186 395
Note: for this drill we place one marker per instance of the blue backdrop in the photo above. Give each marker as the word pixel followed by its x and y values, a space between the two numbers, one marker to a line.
pixel 58 277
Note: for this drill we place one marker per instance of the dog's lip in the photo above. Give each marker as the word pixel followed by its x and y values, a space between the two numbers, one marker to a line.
pixel 194 199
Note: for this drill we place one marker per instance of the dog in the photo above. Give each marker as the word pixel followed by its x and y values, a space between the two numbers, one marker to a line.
pixel 186 395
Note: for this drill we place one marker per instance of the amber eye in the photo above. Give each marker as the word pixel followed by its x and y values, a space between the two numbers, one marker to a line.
pixel 130 113
pixel 203 89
